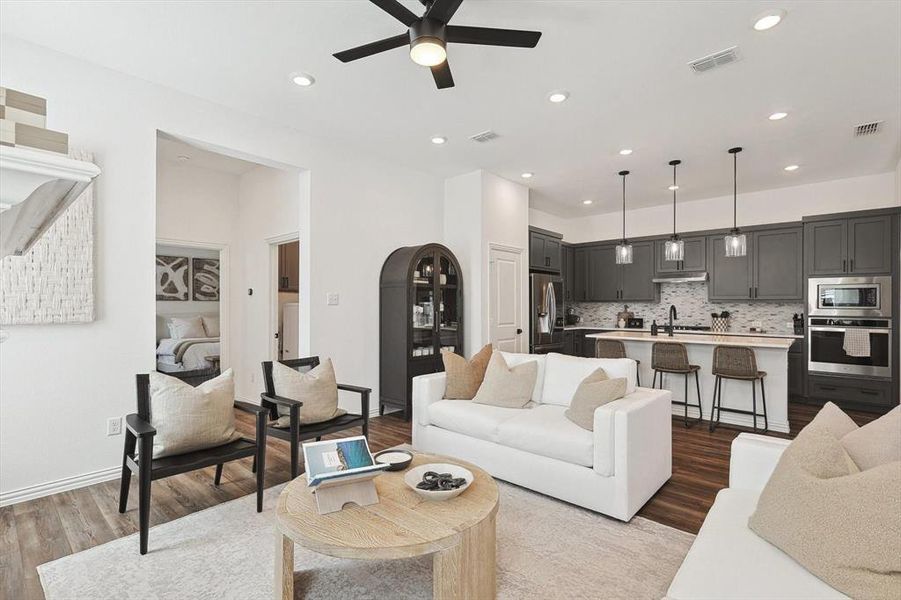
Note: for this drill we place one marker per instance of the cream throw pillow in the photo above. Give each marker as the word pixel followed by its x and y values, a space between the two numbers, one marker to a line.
pixel 186 327
pixel 506 387
pixel 317 389
pixel 464 376
pixel 877 442
pixel 188 418
pixel 594 391
pixel 840 523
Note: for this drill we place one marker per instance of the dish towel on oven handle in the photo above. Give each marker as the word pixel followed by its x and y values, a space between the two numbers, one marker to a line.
pixel 857 343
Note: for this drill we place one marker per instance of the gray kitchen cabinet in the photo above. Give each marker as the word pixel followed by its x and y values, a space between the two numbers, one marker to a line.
pixel 858 245
pixel 797 371
pixel 569 270
pixel 289 267
pixel 731 278
pixel 568 343
pixel 694 258
pixel 777 264
pixel 545 251
pixel 827 247
pixel 636 279
pixel 580 274
pixel 603 274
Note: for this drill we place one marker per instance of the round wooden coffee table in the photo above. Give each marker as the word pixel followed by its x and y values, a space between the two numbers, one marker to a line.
pixel 460 532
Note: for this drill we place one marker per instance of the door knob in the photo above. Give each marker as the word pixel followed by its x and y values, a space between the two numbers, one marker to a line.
pixel 518 331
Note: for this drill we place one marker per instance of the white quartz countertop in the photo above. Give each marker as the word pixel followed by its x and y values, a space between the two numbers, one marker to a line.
pixel 768 334
pixel 709 339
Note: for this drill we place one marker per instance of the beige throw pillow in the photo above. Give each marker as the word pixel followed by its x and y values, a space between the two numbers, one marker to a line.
pixel 506 387
pixel 594 391
pixel 877 442
pixel 840 523
pixel 317 389
pixel 464 376
pixel 188 418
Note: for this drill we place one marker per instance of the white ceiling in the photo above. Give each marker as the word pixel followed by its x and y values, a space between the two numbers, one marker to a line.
pixel 172 151
pixel 831 65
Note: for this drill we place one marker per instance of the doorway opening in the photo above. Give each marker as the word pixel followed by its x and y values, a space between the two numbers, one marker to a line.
pixel 287 300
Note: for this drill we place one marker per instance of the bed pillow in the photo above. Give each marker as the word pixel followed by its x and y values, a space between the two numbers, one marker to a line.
pixel 186 327
pixel 188 418
pixel 464 377
pixel 317 389
pixel 594 391
pixel 211 326
pixel 507 387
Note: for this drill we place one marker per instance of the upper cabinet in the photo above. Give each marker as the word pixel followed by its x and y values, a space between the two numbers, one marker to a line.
pixel 610 282
pixel 289 267
pixel 569 273
pixel 771 269
pixel 730 277
pixel 858 245
pixel 694 258
pixel 580 274
pixel 545 251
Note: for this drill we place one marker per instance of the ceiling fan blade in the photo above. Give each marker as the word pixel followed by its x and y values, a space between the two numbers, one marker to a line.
pixel 373 48
pixel 487 36
pixel 442 75
pixel 397 10
pixel 443 10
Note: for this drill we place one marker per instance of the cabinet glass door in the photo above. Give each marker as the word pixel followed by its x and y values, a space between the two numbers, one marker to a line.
pixel 448 304
pixel 423 308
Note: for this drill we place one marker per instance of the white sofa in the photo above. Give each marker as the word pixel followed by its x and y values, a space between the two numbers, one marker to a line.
pixel 613 470
pixel 729 561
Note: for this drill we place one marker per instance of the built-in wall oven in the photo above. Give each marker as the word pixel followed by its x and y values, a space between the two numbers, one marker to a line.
pixel 849 297
pixel 850 346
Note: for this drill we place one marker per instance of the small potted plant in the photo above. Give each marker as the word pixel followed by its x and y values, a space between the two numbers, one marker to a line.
pixel 719 322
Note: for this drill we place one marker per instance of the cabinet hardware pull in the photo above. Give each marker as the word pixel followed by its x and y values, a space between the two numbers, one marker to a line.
pixel 827 388
pixel 844 266
pixel 750 292
pixel 852 265
pixel 869 392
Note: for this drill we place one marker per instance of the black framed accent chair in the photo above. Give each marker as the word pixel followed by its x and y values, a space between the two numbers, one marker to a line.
pixel 286 413
pixel 150 429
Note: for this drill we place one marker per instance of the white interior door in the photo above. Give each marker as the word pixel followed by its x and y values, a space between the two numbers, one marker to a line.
pixel 505 329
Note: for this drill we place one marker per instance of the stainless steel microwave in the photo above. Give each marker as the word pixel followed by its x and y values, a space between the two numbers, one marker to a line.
pixel 849 297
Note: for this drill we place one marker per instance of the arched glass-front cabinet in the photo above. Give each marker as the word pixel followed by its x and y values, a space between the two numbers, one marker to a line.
pixel 420 314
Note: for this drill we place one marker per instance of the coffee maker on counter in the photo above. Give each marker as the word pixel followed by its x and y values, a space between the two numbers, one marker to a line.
pixel 571 318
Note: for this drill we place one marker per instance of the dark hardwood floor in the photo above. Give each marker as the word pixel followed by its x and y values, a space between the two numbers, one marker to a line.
pixel 37 531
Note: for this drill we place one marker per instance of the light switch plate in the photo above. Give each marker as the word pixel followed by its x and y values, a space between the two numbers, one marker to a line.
pixel 331 299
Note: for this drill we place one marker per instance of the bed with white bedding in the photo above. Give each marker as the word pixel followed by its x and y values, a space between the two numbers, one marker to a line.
pixel 186 354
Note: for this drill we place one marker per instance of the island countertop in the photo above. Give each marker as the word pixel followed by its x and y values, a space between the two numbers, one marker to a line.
pixel 708 339
pixel 766 334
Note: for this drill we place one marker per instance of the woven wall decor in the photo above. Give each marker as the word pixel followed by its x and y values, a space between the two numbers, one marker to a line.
pixel 54 281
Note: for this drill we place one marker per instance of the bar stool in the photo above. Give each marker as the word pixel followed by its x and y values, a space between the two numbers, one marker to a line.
pixel 615 349
pixel 672 357
pixel 736 362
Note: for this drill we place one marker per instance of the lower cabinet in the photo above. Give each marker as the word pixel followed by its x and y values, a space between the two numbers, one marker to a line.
pixel 568 347
pixel 797 371
pixel 851 391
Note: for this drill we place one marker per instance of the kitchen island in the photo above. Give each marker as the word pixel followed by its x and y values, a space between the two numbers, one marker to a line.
pixel 772 357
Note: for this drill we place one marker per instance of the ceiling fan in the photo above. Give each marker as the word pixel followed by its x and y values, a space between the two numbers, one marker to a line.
pixel 429 35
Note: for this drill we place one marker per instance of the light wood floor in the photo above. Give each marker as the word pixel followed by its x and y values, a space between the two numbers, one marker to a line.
pixel 37 531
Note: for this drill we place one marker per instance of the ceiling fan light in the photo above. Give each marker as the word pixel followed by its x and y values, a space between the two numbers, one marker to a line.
pixel 428 51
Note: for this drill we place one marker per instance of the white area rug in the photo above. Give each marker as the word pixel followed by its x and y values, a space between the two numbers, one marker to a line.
pixel 546 549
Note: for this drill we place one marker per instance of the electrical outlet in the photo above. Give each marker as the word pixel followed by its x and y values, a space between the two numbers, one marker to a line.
pixel 114 426
pixel 331 299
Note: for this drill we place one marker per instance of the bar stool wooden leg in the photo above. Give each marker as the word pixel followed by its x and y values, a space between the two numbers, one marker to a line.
pixel 685 418
pixel 700 409
pixel 766 425
pixel 716 385
pixel 719 402
pixel 754 402
pixel 654 383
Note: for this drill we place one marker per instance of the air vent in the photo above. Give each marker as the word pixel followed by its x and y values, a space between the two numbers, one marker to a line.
pixel 717 59
pixel 867 128
pixel 485 136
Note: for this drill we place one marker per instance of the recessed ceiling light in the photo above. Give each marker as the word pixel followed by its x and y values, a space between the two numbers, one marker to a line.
pixel 778 116
pixel 558 96
pixel 587 201
pixel 769 19
pixel 625 151
pixel 527 175
pixel 439 139
pixel 673 188
pixel 792 168
pixel 303 79
pixel 183 157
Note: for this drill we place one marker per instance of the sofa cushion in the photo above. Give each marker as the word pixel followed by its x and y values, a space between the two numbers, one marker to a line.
pixel 728 561
pixel 546 431
pixel 514 359
pixel 475 420
pixel 563 374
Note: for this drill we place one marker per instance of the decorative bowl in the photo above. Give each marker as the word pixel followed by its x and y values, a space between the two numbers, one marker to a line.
pixel 414 476
pixel 397 459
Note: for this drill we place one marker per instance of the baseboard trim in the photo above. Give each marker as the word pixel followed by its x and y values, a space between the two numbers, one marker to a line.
pixel 60 485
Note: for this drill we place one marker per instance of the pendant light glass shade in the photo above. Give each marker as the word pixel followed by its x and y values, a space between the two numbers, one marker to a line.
pixel 624 248
pixel 736 243
pixel 675 247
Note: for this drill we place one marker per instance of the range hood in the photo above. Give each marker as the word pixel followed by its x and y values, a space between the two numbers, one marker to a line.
pixel 35 188
pixel 687 277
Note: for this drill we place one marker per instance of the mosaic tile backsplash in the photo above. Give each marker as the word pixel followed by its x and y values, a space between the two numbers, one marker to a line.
pixel 694 309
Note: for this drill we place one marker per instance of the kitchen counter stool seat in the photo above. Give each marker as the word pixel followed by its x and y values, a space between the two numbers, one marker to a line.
pixel 615 349
pixel 740 363
pixel 672 357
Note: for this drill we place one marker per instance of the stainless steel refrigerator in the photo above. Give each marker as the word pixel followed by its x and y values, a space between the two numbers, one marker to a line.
pixel 546 316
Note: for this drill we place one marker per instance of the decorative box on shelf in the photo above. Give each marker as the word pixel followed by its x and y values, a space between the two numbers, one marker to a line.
pixel 720 324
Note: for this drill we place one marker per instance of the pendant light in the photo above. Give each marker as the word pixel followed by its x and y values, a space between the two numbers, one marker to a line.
pixel 675 247
pixel 736 242
pixel 624 248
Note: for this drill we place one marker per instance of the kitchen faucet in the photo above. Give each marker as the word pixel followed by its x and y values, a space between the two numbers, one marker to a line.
pixel 672 316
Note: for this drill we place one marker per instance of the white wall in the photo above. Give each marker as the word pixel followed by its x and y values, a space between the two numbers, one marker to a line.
pixel 359 209
pixel 754 208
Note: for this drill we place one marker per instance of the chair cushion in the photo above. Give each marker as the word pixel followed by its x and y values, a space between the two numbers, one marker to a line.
pixel 464 377
pixel 546 431
pixel 188 418
pixel 729 562
pixel 508 387
pixel 514 359
pixel 563 374
pixel 475 420
pixel 317 389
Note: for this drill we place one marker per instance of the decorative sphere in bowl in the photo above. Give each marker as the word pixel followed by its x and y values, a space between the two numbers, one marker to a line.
pixel 398 460
pixel 414 476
